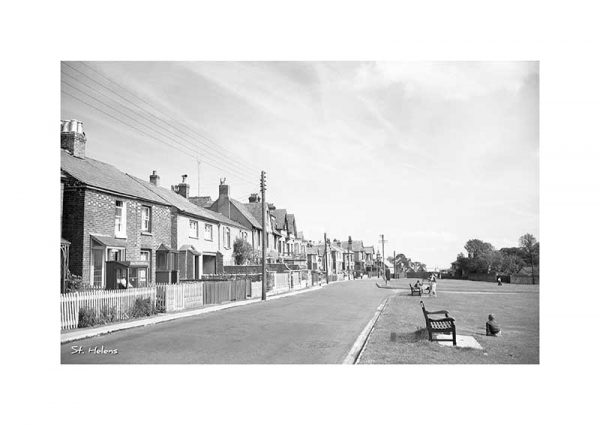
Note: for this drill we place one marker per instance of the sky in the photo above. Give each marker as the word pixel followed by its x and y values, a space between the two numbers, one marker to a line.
pixel 429 154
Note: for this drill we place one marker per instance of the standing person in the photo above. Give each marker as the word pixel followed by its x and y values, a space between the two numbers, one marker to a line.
pixel 432 288
pixel 499 281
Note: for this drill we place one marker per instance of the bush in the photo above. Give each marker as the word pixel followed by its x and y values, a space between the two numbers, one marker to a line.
pixel 242 252
pixel 108 315
pixel 72 283
pixel 87 317
pixel 143 307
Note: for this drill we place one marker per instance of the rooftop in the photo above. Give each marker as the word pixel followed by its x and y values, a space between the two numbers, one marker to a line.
pixel 104 176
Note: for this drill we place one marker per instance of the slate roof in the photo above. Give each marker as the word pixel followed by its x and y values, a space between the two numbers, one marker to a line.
pixel 246 213
pixel 336 248
pixel 184 205
pixel 202 201
pixel 356 245
pixel 104 176
pixel 291 222
pixel 280 218
pixel 256 210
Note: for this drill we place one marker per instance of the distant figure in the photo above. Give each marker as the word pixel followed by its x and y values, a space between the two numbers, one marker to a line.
pixel 491 326
pixel 499 281
pixel 432 288
pixel 387 274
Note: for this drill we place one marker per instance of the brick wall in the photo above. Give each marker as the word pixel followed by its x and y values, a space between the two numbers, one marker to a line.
pixel 89 211
pixel 72 224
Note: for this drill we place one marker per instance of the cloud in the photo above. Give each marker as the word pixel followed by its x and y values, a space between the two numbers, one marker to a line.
pixel 448 80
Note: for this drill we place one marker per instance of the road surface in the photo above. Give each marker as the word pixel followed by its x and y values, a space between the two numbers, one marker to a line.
pixel 313 327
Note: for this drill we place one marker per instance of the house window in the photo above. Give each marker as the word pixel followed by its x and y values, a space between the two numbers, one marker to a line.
pixel 227 238
pixel 120 219
pixel 208 232
pixel 146 256
pixel 193 229
pixel 146 219
pixel 116 254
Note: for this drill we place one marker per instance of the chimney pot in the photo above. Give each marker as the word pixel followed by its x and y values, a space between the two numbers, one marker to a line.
pixel 72 137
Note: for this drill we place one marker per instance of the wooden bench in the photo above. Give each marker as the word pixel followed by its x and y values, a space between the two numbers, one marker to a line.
pixel 416 290
pixel 445 325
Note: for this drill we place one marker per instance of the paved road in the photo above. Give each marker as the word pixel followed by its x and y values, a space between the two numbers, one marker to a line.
pixel 316 327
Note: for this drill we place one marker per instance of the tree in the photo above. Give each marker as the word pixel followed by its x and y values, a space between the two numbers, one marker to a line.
pixel 531 247
pixel 243 253
pixel 477 248
pixel 511 263
pixel 494 261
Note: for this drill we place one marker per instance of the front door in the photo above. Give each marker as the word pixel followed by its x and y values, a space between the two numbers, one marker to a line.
pixel 97 271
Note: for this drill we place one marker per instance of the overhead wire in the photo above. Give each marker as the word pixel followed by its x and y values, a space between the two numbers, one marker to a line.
pixel 240 174
pixel 129 125
pixel 213 145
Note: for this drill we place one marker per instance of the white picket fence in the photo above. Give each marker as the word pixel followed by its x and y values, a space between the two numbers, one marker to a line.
pixel 120 301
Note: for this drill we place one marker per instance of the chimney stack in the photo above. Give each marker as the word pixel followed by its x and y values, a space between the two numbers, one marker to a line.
pixel 254 198
pixel 182 188
pixel 223 189
pixel 154 178
pixel 72 137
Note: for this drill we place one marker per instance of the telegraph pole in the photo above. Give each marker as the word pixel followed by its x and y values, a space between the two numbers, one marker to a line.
pixel 394 263
pixel 263 188
pixel 326 265
pixel 349 249
pixel 383 241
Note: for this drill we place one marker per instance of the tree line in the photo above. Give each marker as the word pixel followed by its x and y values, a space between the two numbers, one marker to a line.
pixel 482 257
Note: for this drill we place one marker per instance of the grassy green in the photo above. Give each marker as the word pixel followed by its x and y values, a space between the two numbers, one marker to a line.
pixel 399 335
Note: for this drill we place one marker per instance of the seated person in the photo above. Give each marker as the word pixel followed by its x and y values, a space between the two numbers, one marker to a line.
pixel 491 326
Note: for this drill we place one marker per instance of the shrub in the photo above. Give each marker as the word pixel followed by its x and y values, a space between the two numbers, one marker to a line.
pixel 87 317
pixel 72 283
pixel 242 252
pixel 108 315
pixel 143 307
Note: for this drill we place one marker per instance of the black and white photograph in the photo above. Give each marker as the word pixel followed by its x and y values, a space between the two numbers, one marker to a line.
pixel 300 212
pixel 317 212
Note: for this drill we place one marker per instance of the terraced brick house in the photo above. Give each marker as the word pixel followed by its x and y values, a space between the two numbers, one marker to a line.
pixel 359 255
pixel 202 238
pixel 254 206
pixel 119 233
pixel 292 246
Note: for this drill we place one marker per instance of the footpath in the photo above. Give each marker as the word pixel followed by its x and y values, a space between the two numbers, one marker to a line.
pixel 75 334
